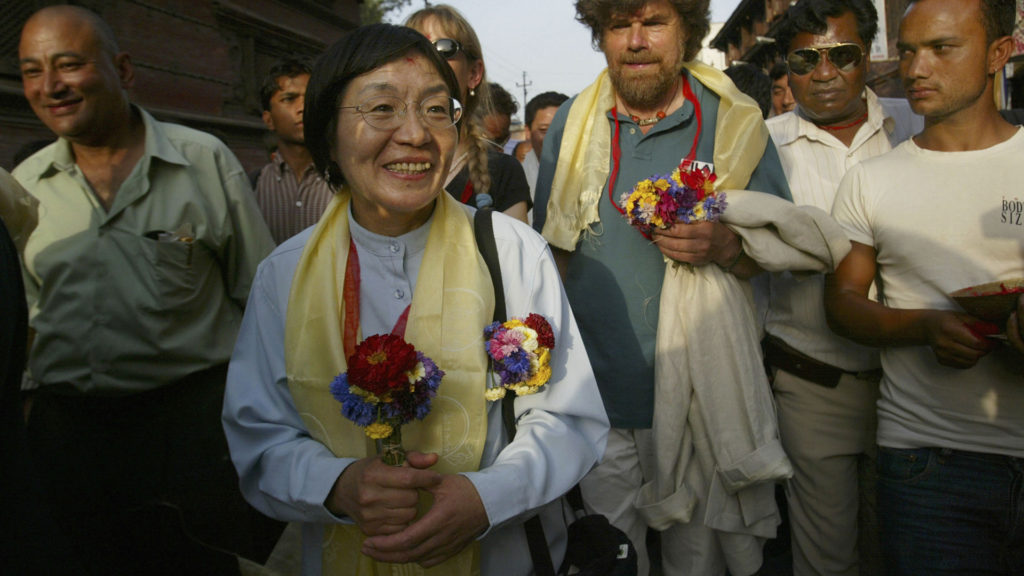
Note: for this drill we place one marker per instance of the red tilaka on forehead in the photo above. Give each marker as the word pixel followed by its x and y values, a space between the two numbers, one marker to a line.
pixel 409 59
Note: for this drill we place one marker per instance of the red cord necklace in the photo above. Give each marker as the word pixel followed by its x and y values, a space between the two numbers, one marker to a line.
pixel 642 122
pixel 860 120
pixel 617 149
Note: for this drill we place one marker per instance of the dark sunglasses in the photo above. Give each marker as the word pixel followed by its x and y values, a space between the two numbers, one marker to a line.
pixel 844 57
pixel 447 47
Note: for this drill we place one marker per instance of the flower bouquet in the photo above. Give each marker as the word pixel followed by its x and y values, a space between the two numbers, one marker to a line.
pixel 388 383
pixel 520 353
pixel 686 195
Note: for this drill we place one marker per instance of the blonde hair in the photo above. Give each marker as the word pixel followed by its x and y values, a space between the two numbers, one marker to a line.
pixel 457 27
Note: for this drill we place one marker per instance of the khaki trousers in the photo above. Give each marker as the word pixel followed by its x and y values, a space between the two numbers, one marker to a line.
pixel 829 436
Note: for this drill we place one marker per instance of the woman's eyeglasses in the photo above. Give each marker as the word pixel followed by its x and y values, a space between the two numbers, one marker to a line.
pixel 388 112
pixel 447 47
pixel 844 56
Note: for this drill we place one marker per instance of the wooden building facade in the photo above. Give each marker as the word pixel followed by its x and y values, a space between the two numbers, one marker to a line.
pixel 197 62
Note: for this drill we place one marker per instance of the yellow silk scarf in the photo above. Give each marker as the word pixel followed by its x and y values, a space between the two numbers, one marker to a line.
pixel 452 302
pixel 585 153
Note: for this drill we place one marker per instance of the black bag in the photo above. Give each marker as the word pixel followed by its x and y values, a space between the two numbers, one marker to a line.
pixel 594 546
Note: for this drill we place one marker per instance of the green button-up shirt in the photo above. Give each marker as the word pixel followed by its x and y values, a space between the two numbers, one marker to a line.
pixel 153 290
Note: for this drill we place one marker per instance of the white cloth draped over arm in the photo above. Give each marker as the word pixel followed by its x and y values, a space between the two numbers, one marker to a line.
pixel 714 416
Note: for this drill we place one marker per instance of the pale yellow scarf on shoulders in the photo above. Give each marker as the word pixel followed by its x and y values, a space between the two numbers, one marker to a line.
pixel 452 303
pixel 585 153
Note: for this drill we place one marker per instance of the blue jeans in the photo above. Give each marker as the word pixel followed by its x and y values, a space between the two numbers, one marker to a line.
pixel 944 511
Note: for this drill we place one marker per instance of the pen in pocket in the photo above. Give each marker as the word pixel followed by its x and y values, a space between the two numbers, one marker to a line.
pixel 183 234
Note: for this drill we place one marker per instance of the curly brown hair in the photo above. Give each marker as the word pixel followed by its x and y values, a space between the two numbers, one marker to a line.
pixel 694 15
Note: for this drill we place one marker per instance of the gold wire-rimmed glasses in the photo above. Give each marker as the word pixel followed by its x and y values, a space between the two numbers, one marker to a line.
pixel 388 112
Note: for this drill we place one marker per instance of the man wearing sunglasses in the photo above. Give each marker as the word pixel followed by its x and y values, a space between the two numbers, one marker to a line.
pixel 826 386
pixel 942 212
pixel 652 108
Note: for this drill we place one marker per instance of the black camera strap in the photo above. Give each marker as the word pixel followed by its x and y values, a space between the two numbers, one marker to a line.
pixel 484 230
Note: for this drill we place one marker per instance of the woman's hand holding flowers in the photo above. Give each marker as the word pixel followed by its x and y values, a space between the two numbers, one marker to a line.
pixel 381 499
pixel 456 518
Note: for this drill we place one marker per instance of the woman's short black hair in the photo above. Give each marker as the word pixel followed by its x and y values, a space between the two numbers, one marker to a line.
pixel 362 50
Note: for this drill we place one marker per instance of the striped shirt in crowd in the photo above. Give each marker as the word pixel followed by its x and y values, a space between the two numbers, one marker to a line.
pixel 287 205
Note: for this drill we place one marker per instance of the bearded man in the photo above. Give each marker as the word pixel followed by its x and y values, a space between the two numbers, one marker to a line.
pixel 653 107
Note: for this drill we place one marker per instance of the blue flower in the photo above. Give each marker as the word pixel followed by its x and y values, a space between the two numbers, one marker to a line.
pixel 515 367
pixel 490 329
pixel 353 406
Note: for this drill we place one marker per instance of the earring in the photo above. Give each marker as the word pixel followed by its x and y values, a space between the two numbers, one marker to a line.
pixel 472 92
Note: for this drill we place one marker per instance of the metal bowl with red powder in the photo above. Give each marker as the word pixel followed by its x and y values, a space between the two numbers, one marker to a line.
pixel 992 301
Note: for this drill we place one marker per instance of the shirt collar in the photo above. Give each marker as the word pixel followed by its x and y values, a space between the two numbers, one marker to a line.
pixel 156 145
pixel 281 166
pixel 278 162
pixel 63 158
pixel 414 241
pixel 796 124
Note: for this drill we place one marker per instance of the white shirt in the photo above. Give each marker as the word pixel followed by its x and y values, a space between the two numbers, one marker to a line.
pixel 939 222
pixel 815 161
pixel 561 430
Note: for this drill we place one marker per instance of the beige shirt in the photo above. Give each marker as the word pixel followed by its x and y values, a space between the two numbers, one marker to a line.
pixel 152 290
pixel 18 209
pixel 815 161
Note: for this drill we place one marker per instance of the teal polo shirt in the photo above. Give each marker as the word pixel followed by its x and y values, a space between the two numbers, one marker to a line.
pixel 615 274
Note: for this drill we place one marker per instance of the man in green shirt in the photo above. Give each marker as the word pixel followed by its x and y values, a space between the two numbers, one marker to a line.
pixel 136 277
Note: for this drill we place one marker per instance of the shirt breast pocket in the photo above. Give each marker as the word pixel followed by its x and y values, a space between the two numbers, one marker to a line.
pixel 178 269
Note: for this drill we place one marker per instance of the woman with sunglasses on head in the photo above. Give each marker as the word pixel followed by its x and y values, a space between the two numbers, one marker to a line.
pixel 478 171
pixel 393 254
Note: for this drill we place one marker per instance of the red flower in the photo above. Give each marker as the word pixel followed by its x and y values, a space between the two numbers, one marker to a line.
pixel 379 364
pixel 701 180
pixel 538 324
